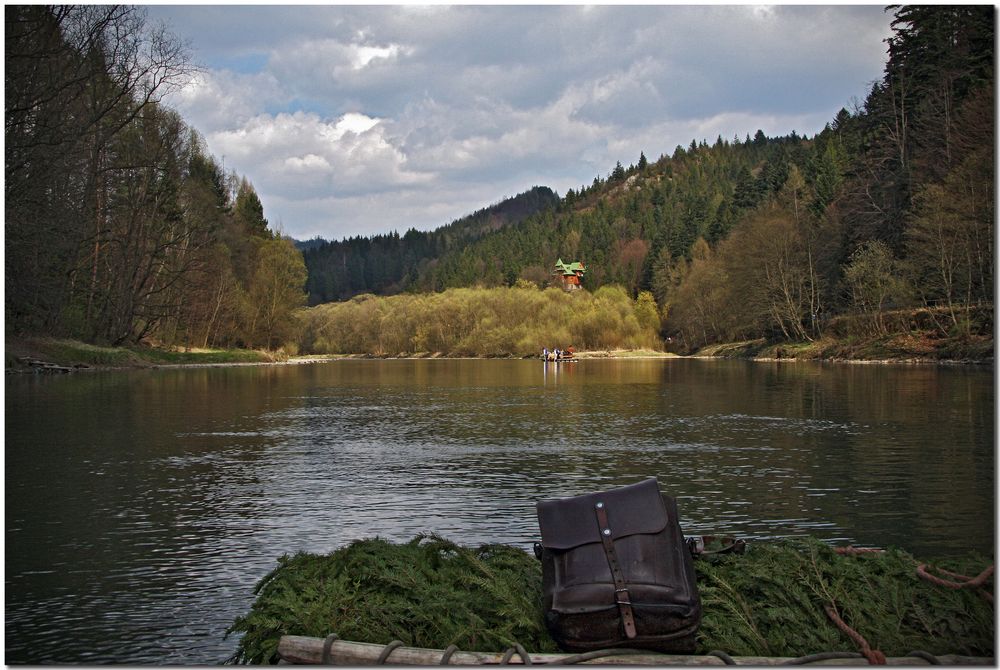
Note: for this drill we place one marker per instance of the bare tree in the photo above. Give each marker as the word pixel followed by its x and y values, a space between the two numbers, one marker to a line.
pixel 77 77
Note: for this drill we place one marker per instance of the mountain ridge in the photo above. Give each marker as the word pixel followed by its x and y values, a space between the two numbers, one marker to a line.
pixel 387 263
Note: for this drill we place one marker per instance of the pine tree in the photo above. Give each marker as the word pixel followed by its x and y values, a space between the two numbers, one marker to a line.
pixel 618 174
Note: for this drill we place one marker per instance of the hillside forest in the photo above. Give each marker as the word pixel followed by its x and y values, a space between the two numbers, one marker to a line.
pixel 121 227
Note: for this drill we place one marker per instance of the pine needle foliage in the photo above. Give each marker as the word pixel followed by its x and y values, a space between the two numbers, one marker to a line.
pixel 771 603
pixel 428 592
pixel 431 592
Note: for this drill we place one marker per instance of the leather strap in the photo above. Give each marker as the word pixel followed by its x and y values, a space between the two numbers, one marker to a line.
pixel 622 598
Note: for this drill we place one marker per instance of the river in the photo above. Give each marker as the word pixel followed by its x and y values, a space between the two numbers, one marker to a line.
pixel 143 506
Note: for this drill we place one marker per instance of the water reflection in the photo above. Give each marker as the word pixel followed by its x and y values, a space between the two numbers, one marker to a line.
pixel 143 507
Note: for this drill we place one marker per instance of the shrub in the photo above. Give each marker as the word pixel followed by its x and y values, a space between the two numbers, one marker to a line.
pixel 516 321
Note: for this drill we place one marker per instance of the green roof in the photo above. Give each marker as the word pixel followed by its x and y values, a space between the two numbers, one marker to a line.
pixel 569 268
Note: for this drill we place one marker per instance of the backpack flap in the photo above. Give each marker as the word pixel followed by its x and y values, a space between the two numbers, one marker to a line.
pixel 566 523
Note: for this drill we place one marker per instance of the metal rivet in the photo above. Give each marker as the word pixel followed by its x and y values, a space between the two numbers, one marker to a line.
pixel 607 531
pixel 600 505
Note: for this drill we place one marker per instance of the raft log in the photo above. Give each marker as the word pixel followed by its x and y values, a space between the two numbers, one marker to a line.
pixel 297 649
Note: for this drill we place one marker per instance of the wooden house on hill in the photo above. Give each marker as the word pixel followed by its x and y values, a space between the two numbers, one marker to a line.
pixel 569 274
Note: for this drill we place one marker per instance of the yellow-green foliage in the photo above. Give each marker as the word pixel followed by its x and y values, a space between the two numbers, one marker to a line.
pixel 517 321
pixel 431 593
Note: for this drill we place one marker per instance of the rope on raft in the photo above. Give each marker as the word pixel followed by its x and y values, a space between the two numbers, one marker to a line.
pixel 851 550
pixel 827 656
pixel 519 650
pixel 967 582
pixel 876 657
pixel 389 648
pixel 723 656
pixel 446 656
pixel 328 648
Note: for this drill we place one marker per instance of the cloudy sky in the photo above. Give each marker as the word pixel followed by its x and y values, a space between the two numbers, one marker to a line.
pixel 365 119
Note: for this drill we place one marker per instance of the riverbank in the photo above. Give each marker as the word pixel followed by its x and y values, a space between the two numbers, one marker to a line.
pixel 598 353
pixel 53 355
pixel 45 354
pixel 896 348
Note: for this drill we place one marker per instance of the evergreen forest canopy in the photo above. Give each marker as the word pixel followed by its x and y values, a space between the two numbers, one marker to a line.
pixel 891 206
pixel 119 225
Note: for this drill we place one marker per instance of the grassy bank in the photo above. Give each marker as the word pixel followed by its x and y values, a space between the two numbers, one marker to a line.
pixel 770 602
pixel 901 348
pixel 79 355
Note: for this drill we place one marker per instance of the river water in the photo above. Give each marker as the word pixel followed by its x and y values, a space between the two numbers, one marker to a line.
pixel 143 506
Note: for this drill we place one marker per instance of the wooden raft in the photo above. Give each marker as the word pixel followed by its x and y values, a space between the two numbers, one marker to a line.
pixel 297 649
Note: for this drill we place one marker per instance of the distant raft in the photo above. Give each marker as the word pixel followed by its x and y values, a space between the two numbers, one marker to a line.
pixel 558 355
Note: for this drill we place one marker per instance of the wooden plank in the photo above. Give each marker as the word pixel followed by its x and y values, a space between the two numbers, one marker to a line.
pixel 297 649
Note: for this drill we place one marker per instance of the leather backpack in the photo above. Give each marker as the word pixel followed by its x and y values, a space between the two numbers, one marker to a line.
pixel 616 571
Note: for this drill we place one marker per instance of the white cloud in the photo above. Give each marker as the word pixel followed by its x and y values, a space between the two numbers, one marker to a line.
pixel 308 163
pixel 354 123
pixel 365 119
pixel 288 154
pixel 218 99
pixel 363 55
pixel 336 71
pixel 500 141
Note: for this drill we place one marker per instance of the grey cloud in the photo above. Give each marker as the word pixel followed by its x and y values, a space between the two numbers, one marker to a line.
pixel 474 99
pixel 362 214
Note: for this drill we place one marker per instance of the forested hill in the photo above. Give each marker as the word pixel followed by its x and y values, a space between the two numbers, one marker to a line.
pixel 622 223
pixel 890 207
pixel 389 263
